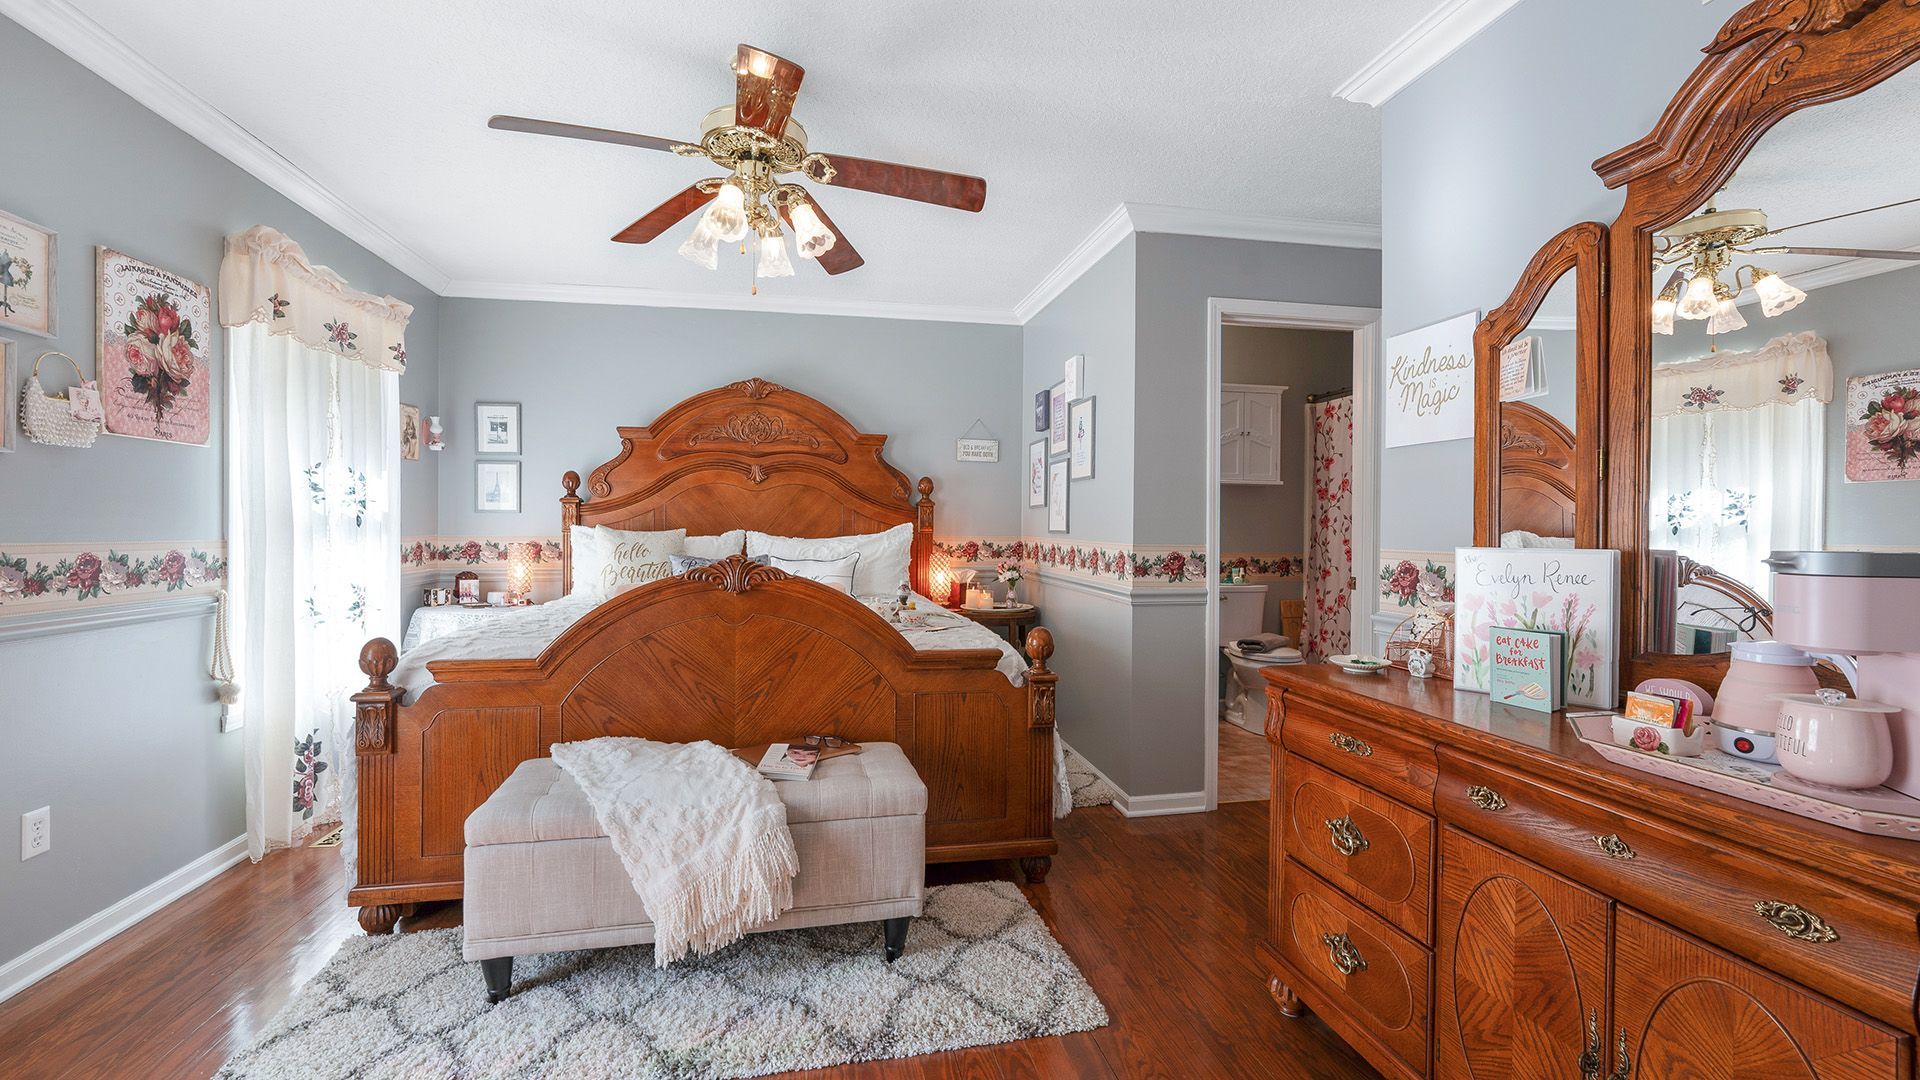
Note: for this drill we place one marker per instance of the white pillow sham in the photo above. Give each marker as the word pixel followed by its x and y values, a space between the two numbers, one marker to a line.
pixel 607 562
pixel 833 573
pixel 885 557
pixel 733 542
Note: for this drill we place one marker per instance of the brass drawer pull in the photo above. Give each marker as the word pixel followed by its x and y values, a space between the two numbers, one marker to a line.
pixel 1485 798
pixel 1795 921
pixel 1340 950
pixel 1351 745
pixel 1589 1060
pixel 1346 836
pixel 1623 1065
pixel 1615 847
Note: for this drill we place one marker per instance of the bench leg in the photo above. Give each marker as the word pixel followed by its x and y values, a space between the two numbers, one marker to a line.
pixel 499 975
pixel 896 936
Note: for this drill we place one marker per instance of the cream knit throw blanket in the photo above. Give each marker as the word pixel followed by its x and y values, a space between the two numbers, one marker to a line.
pixel 702 834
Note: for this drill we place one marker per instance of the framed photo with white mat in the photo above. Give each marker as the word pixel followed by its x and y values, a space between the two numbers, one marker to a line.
pixel 1037 473
pixel 1057 496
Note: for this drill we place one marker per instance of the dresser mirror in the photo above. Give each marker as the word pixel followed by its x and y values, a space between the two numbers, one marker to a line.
pixel 1538 357
pixel 1765 257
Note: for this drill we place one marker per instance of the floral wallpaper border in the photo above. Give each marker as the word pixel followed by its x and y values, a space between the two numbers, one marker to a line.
pixel 1267 566
pixel 1112 563
pixel 45 577
pixel 1414 580
pixel 432 552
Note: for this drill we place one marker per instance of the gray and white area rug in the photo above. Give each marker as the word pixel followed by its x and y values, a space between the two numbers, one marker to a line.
pixel 980 968
pixel 1088 787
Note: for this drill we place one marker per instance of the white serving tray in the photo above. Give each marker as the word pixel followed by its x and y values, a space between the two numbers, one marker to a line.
pixel 1879 811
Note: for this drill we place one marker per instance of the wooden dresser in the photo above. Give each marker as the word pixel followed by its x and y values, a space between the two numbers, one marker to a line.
pixel 1466 890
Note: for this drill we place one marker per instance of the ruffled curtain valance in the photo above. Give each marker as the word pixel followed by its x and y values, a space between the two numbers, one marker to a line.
pixel 266 278
pixel 1784 371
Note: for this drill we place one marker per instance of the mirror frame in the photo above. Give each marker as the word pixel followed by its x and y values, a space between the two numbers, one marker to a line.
pixel 1771 59
pixel 1582 251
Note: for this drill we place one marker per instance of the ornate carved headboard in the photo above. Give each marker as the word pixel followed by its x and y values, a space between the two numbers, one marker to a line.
pixel 750 455
pixel 1536 472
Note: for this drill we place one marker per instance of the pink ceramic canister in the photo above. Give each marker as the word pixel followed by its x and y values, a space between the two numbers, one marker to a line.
pixel 1828 738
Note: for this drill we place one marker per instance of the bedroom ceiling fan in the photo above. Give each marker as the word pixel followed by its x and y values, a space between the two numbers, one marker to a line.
pixel 757 141
pixel 1704 245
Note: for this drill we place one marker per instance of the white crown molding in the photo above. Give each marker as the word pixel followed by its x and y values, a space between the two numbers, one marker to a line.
pixel 633 296
pixel 1233 225
pixel 1105 236
pixel 65 27
pixel 1421 49
pixel 1843 271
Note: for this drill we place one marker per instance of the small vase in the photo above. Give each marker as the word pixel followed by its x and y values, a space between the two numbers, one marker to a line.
pixel 1013 594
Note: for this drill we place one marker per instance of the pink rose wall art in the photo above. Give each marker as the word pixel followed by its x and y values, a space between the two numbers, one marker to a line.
pixel 155 361
pixel 1573 591
pixel 1883 427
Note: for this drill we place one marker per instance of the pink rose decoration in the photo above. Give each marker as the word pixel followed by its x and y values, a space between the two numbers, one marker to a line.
pixel 1646 738
pixel 173 567
pixel 141 360
pixel 176 358
pixel 1882 426
pixel 85 573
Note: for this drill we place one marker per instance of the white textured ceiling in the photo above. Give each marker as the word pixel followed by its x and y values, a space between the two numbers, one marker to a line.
pixel 1066 108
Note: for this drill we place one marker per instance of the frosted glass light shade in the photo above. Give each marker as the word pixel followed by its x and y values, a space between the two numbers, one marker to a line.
pixel 702 245
pixel 727 214
pixel 1701 298
pixel 1663 309
pixel 1776 296
pixel 1726 317
pixel 810 235
pixel 773 257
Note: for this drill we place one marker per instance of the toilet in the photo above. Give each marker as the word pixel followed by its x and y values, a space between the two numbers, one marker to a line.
pixel 1243 693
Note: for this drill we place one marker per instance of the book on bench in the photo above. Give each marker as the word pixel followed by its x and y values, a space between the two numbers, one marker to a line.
pixel 797 760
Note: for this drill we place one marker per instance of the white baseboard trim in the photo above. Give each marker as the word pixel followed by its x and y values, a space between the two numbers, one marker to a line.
pixel 1185 802
pixel 50 956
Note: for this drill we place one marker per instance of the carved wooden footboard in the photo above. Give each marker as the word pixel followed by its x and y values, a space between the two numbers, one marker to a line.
pixel 737 653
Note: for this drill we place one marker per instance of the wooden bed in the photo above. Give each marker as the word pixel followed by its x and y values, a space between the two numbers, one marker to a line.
pixel 1536 472
pixel 737 653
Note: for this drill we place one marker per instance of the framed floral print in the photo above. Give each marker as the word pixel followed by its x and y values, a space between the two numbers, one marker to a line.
pixel 496 427
pixel 496 487
pixel 409 432
pixel 27 254
pixel 1080 439
pixel 153 337
pixel 1057 496
pixel 1883 427
pixel 1037 473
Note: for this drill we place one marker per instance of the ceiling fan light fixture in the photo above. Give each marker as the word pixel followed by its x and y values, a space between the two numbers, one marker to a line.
pixel 1777 296
pixel 811 236
pixel 1726 315
pixel 702 245
pixel 727 215
pixel 1664 306
pixel 1701 298
pixel 772 261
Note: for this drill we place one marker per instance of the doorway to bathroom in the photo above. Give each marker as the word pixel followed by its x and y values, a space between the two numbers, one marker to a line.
pixel 1291 511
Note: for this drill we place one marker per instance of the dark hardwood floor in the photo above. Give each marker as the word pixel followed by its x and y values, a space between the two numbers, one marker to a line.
pixel 1161 914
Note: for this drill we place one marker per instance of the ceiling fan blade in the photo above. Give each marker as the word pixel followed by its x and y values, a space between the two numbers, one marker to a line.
pixel 839 258
pixel 909 182
pixel 577 131
pixel 664 217
pixel 1848 214
pixel 766 88
pixel 1851 253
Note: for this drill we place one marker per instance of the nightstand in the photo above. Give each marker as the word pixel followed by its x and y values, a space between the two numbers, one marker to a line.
pixel 1013 622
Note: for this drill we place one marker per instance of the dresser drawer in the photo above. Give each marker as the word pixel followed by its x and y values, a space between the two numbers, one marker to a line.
pixel 1373 848
pixel 1373 974
pixel 1843 941
pixel 1383 760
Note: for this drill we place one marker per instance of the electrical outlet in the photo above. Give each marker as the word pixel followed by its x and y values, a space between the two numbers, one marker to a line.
pixel 36 832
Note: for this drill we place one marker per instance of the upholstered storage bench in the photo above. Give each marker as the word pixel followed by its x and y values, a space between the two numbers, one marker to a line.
pixel 541 876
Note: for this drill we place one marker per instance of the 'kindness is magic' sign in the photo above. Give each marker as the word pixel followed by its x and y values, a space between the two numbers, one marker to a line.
pixel 1427 383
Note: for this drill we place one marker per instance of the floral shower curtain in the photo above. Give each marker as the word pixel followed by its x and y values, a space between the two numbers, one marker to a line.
pixel 1328 629
pixel 313 454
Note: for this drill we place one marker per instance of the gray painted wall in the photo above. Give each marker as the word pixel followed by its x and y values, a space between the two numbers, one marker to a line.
pixel 1488 156
pixel 116 729
pixel 1870 326
pixel 580 370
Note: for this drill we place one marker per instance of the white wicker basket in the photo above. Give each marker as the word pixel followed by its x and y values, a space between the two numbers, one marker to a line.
pixel 50 420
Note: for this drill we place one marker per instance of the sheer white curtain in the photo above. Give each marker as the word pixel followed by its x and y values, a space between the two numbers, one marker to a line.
pixel 1737 456
pixel 313 521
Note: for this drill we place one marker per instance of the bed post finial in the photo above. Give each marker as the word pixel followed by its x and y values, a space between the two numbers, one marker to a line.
pixel 571 482
pixel 377 707
pixel 378 658
pixel 1040 680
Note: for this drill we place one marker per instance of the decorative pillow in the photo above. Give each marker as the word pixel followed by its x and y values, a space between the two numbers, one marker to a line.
pixel 717 547
pixel 608 562
pixel 833 573
pixel 684 563
pixel 886 558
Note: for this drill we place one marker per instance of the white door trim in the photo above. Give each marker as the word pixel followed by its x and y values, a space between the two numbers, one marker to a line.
pixel 1364 325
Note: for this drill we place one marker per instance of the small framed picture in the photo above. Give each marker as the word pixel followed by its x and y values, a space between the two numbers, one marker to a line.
pixel 1037 473
pixel 27 269
pixel 1042 415
pixel 1057 496
pixel 9 413
pixel 1080 439
pixel 496 487
pixel 466 588
pixel 496 427
pixel 409 432
pixel 1076 377
pixel 1057 417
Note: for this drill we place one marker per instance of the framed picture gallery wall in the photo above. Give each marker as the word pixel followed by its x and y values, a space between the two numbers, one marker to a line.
pixel 154 337
pixel 27 275
pixel 496 427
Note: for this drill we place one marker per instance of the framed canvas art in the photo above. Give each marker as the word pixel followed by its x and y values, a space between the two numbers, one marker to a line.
pixel 1042 414
pixel 496 487
pixel 1883 427
pixel 27 257
pixel 409 432
pixel 1080 439
pixel 1037 473
pixel 1076 380
pixel 1057 496
pixel 1427 381
pixel 154 339
pixel 1057 417
pixel 496 427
